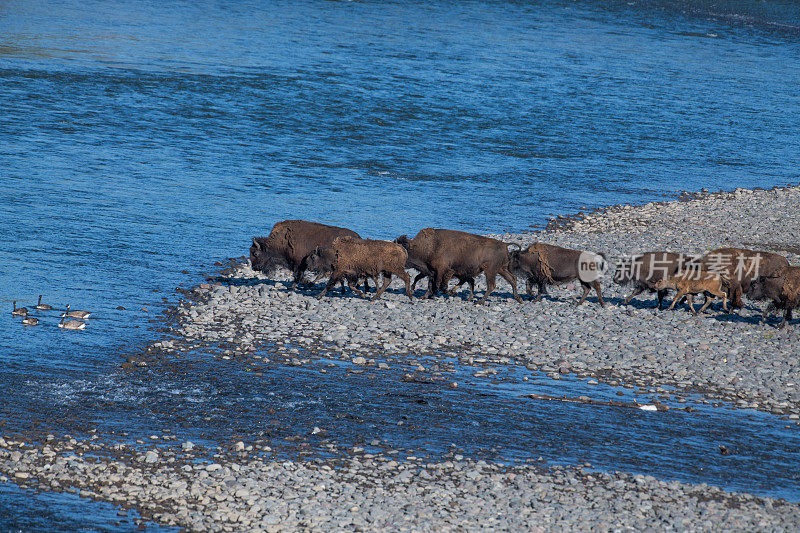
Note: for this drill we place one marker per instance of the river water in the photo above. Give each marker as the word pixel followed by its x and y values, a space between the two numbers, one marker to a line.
pixel 140 142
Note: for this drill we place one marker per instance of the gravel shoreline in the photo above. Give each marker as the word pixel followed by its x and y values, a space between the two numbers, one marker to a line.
pixel 241 490
pixel 241 314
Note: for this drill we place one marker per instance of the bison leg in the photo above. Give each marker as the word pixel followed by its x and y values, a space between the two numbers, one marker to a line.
pixel 586 289
pixel 596 285
pixel 710 297
pixel 441 281
pixel 471 282
pixel 529 286
pixel 490 285
pixel 332 281
pixel 402 274
pixel 509 277
pixel 542 290
pixel 636 291
pixel 766 311
pixel 445 284
pixel 661 295
pixel 353 284
pixel 387 280
pixel 680 294
pixel 690 301
pixel 787 316
pixel 452 291
pixel 416 279
pixel 297 274
pixel 431 292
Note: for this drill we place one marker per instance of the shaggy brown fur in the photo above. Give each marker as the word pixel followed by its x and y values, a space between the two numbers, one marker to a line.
pixel 289 244
pixel 741 266
pixel 645 270
pixel 442 254
pixel 782 288
pixel 545 264
pixel 352 258
pixel 697 282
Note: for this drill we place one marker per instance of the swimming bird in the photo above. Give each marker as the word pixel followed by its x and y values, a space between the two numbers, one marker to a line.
pixel 76 314
pixel 41 306
pixel 30 321
pixel 22 311
pixel 71 324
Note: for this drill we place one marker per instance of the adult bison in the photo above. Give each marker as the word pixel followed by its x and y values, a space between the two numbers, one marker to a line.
pixel 545 264
pixel 289 244
pixel 645 270
pixel 741 266
pixel 781 288
pixel 441 254
pixel 350 258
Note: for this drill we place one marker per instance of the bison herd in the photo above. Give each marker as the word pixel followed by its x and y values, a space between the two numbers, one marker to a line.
pixel 440 255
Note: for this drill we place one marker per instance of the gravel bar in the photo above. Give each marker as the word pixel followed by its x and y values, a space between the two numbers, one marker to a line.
pixel 242 490
pixel 726 357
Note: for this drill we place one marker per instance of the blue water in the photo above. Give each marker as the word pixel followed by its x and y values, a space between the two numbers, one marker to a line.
pixel 142 141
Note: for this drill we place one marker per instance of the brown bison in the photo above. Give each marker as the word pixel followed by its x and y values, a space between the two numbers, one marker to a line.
pixel 645 270
pixel 350 258
pixel 691 282
pixel 441 254
pixel 741 266
pixel 545 264
pixel 782 288
pixel 289 244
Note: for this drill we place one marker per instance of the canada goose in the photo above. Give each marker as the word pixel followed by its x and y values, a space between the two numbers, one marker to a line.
pixel 41 306
pixel 76 314
pixel 71 324
pixel 30 321
pixel 22 311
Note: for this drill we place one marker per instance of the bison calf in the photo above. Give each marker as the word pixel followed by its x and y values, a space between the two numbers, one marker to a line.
pixel 289 244
pixel 545 264
pixel 693 282
pixel 350 259
pixel 645 270
pixel 782 288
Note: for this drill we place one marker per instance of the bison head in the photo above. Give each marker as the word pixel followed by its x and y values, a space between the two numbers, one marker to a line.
pixel 262 257
pixel 403 241
pixel 758 289
pixel 321 260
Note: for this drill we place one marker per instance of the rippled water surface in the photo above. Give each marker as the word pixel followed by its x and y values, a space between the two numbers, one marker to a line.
pixel 142 141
